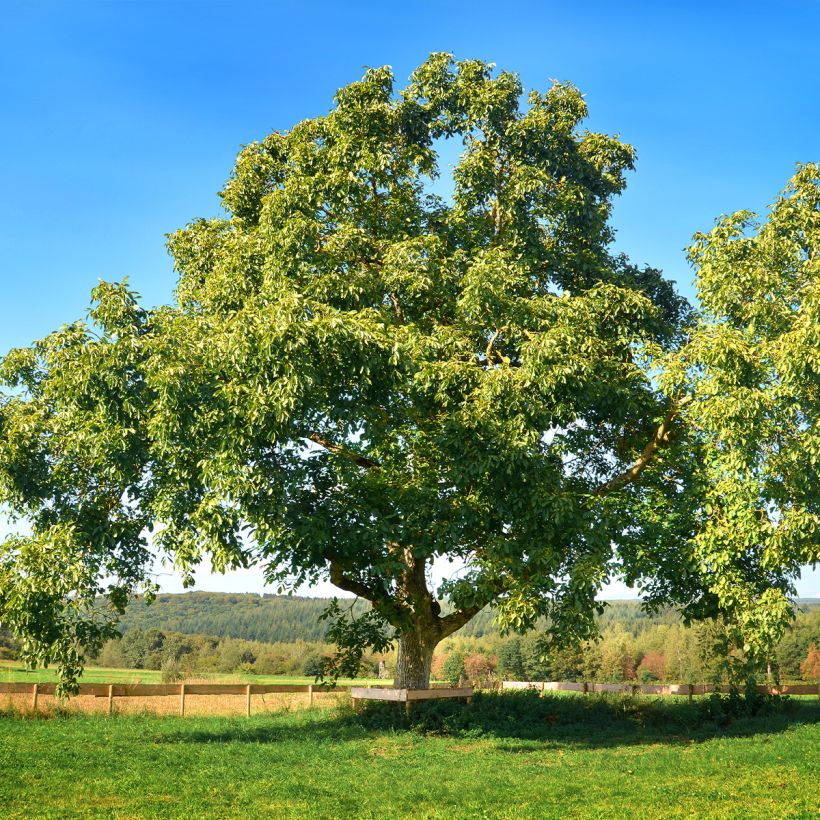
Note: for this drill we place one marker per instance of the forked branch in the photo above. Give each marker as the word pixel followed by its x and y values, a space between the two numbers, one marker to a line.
pixel 662 437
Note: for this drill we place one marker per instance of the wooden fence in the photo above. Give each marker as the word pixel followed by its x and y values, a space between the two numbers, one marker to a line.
pixel 686 689
pixel 110 691
pixel 181 690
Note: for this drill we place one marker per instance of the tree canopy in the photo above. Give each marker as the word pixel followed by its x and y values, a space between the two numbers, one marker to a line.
pixel 362 374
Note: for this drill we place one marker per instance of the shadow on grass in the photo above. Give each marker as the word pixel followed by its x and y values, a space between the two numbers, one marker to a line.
pixel 592 721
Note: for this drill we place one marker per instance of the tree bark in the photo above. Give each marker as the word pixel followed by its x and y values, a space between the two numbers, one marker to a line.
pixel 415 659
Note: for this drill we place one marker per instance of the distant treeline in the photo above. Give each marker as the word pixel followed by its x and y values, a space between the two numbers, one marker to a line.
pixel 284 619
pixel 655 651
pixel 205 632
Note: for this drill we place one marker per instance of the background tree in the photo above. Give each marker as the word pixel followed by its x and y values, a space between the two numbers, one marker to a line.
pixel 452 669
pixel 510 660
pixel 360 376
pixel 750 370
pixel 810 668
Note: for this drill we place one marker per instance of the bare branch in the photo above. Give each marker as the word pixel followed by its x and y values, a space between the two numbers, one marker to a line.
pixel 397 307
pixel 339 450
pixel 662 437
pixel 382 601
pixel 489 352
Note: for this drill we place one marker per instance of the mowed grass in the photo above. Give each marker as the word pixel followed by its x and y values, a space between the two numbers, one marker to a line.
pixel 505 755
pixel 15 672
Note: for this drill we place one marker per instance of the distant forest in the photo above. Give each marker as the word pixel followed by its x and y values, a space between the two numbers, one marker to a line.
pixel 200 633
pixel 286 619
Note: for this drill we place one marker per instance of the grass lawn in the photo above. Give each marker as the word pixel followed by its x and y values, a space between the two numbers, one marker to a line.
pixel 15 672
pixel 504 755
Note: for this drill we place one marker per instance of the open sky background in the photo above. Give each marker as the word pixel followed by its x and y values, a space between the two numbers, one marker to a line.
pixel 119 121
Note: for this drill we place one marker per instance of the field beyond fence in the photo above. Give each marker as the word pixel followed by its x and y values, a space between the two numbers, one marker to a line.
pixel 252 698
pixel 180 698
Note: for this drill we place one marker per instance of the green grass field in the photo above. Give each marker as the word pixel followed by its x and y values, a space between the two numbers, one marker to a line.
pixel 14 672
pixel 507 755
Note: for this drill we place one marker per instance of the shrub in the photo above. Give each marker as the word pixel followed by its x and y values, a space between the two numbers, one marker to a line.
pixel 172 671
pixel 313 666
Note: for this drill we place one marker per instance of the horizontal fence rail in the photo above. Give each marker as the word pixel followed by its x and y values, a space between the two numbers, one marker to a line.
pixel 687 689
pixel 180 690
pixel 110 691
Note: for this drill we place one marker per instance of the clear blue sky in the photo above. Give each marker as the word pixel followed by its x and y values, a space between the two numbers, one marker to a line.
pixel 119 121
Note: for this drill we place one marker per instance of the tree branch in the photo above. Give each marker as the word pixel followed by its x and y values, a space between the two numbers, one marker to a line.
pixel 337 449
pixel 455 620
pixel 381 601
pixel 397 307
pixel 662 437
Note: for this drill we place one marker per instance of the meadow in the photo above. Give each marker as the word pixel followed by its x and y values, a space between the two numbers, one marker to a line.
pixel 14 672
pixel 505 755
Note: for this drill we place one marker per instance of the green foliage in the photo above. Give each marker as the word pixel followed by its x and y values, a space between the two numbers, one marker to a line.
pixel 314 666
pixel 750 371
pixel 358 376
pixel 453 668
pixel 510 660
pixel 351 634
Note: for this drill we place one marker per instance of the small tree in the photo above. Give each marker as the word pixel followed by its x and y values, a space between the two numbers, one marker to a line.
pixel 510 661
pixel 810 668
pixel 453 668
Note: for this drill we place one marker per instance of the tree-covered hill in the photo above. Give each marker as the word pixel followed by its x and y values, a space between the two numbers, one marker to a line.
pixel 283 618
pixel 269 618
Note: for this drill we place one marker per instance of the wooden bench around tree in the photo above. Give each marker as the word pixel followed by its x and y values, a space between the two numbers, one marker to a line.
pixel 407 696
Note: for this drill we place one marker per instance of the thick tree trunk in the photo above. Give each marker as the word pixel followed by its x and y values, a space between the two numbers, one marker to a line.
pixel 415 658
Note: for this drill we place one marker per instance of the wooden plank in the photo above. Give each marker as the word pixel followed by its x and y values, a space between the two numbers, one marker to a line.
pixel 520 684
pixel 366 693
pixel 654 689
pixel 793 689
pixel 622 688
pixel 216 688
pixel 571 686
pixel 17 688
pixel 97 690
pixel 272 688
pixel 145 690
pixel 437 694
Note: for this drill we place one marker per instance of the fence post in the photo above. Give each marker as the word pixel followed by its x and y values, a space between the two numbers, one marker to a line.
pixel 248 700
pixel 34 691
pixel 110 698
pixel 182 700
pixel 310 694
pixel 691 692
pixel 586 688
